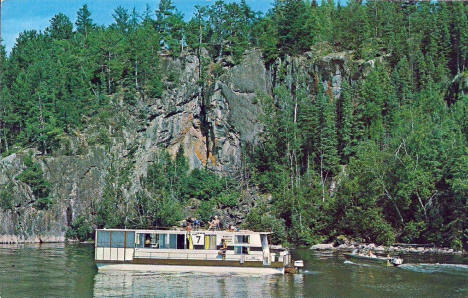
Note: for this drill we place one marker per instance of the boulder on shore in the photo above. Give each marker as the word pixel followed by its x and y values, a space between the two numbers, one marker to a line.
pixel 322 246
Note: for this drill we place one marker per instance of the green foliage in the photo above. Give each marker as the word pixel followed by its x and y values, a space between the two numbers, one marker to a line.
pixel 108 208
pixel 171 182
pixel 6 197
pixel 385 160
pixel 80 229
pixel 203 185
pixel 33 176
pixel 205 211
pixel 344 123
pixel 84 23
pixel 60 27
pixel 43 203
pixel 228 199
pixel 259 219
pixel 290 17
pixel 172 177
pixel 168 212
pixel 412 232
pixel 368 225
pixel 59 79
pixel 101 138
pixel 327 139
pixel 169 24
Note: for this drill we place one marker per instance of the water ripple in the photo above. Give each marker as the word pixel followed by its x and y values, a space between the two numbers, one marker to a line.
pixel 455 269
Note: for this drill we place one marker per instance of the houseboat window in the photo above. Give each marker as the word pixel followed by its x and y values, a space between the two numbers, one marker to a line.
pixel 172 241
pixel 130 241
pixel 210 241
pixel 242 239
pixel 140 240
pixel 168 241
pixel 162 241
pixel 241 250
pixel 103 239
pixel 154 241
pixel 147 240
pixel 117 239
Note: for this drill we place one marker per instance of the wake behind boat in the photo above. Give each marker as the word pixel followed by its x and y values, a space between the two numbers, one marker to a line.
pixel 370 257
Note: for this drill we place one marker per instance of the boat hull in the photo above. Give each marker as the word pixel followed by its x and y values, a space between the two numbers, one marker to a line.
pixel 188 268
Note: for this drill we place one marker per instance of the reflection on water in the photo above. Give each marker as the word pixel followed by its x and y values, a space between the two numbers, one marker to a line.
pixel 126 283
pixel 54 270
pixel 69 271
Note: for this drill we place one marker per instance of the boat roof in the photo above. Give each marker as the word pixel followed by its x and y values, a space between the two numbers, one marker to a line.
pixel 182 230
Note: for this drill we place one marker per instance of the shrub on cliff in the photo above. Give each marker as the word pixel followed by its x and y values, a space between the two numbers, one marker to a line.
pixel 259 219
pixel 6 197
pixel 33 176
pixel 205 210
pixel 80 229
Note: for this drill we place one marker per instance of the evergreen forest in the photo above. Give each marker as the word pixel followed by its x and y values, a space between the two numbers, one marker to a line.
pixel 386 162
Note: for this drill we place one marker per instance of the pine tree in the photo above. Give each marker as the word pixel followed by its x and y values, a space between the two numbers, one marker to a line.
pixel 169 24
pixel 121 19
pixel 328 153
pixel 290 18
pixel 267 35
pixel 459 35
pixel 60 27
pixel 402 79
pixel 84 23
pixel 345 114
pixel 373 98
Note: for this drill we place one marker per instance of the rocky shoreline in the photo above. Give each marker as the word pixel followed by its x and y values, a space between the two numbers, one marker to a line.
pixel 421 249
pixel 15 239
pixel 349 246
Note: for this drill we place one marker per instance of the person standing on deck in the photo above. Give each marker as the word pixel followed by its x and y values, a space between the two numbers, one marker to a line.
pixel 214 224
pixel 223 249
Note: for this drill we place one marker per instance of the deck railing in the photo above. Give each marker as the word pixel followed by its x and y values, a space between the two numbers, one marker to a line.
pixel 195 256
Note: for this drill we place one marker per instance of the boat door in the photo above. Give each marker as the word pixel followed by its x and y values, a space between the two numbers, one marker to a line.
pixel 266 250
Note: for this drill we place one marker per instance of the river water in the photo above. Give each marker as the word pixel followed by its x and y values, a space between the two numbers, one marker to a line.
pixel 57 270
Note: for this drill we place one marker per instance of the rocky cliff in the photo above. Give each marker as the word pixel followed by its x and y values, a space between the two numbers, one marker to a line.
pixel 130 141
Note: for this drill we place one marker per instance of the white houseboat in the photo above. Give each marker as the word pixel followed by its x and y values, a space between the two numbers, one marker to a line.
pixel 180 250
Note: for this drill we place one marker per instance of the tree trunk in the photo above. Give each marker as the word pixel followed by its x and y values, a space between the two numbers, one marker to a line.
pixel 394 204
pixel 108 73
pixel 136 74
pixel 322 180
pixel 422 206
pixel 41 120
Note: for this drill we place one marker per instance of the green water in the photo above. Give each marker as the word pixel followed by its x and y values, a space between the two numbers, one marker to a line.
pixel 69 271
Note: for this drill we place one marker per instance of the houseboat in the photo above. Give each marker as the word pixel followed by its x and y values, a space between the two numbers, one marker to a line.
pixel 189 251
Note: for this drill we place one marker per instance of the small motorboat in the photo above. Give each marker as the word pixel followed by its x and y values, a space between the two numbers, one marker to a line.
pixel 296 267
pixel 370 257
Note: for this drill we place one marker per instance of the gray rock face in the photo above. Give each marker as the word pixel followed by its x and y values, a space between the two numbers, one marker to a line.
pixel 232 113
pixel 76 183
pixel 167 123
